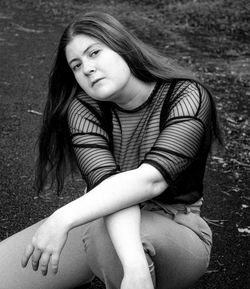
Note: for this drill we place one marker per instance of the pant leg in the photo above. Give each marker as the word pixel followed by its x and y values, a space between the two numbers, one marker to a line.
pixel 73 268
pixel 179 255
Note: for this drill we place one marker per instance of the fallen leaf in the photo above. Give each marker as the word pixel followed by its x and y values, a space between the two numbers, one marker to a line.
pixel 244 230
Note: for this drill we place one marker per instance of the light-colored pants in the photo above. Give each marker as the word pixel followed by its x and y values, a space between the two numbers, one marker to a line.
pixel 177 243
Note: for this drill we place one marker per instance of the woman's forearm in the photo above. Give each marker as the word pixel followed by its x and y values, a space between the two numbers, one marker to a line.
pixel 124 231
pixel 113 194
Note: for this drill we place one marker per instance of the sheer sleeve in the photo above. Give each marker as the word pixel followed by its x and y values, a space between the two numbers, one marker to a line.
pixel 91 142
pixel 186 121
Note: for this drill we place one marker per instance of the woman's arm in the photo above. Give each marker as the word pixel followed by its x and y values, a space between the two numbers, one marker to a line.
pixel 124 231
pixel 113 194
pixel 120 191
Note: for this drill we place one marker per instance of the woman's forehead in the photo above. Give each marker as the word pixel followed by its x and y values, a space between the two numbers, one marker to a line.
pixel 83 39
pixel 81 44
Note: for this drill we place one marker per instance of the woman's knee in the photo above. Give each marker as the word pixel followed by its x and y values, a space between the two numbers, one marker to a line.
pixel 179 255
pixel 73 268
pixel 97 242
pixel 95 234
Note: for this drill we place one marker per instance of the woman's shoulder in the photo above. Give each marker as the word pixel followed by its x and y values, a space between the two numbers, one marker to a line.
pixel 176 88
pixel 188 87
pixel 82 103
pixel 84 107
pixel 180 84
pixel 185 82
pixel 82 99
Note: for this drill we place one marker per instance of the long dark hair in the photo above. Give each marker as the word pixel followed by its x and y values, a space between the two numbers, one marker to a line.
pixel 56 156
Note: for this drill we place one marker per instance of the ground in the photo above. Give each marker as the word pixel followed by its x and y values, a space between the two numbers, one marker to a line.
pixel 211 37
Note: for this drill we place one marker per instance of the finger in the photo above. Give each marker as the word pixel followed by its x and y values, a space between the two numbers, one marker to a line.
pixel 35 259
pixel 44 262
pixel 27 254
pixel 55 262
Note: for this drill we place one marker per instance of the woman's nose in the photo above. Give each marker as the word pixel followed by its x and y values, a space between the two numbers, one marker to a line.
pixel 88 68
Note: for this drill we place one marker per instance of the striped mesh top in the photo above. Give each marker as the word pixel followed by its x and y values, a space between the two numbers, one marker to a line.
pixel 170 131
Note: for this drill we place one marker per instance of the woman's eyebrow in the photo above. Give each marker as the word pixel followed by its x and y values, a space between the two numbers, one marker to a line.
pixel 85 51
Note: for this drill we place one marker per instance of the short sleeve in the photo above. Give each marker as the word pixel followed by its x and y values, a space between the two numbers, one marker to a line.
pixel 91 142
pixel 183 131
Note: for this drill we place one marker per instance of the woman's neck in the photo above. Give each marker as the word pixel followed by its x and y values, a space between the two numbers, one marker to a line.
pixel 136 93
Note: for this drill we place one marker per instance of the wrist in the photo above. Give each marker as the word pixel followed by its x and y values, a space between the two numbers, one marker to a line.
pixel 138 265
pixel 63 219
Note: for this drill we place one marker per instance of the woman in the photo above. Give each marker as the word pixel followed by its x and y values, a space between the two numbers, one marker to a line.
pixel 139 129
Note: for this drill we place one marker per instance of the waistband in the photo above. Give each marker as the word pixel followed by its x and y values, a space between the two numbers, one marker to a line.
pixel 173 209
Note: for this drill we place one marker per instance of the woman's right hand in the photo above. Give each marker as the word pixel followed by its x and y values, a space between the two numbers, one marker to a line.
pixel 46 245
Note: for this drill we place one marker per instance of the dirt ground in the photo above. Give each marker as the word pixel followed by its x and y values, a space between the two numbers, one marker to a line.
pixel 28 38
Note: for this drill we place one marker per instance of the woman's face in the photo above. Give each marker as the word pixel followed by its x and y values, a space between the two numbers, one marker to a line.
pixel 101 72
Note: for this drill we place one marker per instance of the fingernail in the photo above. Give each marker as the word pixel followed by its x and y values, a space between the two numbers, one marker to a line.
pixel 55 271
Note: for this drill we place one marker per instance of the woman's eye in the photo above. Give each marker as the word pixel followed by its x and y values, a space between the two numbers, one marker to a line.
pixel 94 53
pixel 75 67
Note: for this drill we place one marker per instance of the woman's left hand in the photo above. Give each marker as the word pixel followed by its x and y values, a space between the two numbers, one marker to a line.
pixel 46 245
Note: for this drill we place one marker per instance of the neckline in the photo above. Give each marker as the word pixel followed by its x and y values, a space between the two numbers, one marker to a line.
pixel 144 104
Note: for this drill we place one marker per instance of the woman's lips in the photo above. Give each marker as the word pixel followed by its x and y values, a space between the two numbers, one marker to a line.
pixel 97 80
